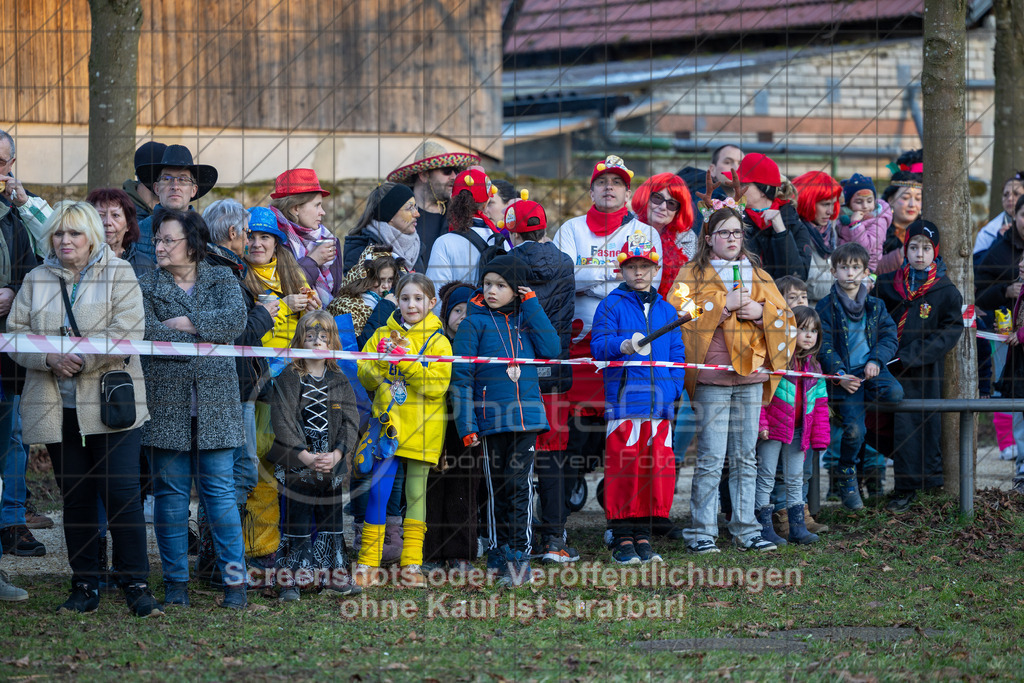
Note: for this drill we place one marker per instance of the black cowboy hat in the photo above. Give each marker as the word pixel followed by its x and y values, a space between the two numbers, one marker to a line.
pixel 179 156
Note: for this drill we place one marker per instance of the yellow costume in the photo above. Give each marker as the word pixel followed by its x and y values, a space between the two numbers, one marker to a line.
pixel 750 345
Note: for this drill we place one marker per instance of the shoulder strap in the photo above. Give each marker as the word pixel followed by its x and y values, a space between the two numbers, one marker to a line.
pixel 476 240
pixel 67 307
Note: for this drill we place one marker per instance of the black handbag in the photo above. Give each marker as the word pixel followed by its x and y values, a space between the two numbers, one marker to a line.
pixel 117 390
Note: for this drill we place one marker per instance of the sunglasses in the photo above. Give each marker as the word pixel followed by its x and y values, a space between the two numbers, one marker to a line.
pixel 658 200
pixel 450 170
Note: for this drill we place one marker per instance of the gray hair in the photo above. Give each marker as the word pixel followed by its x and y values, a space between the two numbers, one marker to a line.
pixel 221 216
pixel 4 135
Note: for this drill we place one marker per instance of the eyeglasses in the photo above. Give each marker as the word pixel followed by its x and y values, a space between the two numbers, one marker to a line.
pixel 658 200
pixel 172 180
pixel 4 162
pixel 166 241
pixel 729 234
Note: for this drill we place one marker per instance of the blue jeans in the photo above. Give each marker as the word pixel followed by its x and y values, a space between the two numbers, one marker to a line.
pixel 6 414
pixel 852 408
pixel 769 455
pixel 245 456
pixel 728 418
pixel 15 487
pixel 212 471
pixel 685 428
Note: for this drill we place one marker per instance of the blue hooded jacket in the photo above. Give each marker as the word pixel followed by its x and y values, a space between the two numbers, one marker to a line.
pixel 637 392
pixel 486 400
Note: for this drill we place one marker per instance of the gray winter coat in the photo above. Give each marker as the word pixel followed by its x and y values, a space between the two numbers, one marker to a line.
pixel 217 310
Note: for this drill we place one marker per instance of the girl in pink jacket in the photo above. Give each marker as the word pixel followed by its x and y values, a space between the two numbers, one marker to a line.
pixel 865 218
pixel 794 421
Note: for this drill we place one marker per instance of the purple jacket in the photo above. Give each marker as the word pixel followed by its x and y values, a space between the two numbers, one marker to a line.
pixel 779 416
pixel 869 233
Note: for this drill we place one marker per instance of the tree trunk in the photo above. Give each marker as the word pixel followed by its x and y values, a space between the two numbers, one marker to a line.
pixel 1008 147
pixel 946 194
pixel 113 90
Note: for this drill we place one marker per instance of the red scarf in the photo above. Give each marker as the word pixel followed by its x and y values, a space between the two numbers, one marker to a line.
pixel 603 224
pixel 899 281
pixel 757 217
pixel 672 260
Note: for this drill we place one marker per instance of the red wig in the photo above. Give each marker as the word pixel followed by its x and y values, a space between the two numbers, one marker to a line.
pixel 677 190
pixel 813 187
pixel 113 195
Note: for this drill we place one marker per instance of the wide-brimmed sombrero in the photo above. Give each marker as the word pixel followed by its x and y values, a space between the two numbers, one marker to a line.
pixel 431 155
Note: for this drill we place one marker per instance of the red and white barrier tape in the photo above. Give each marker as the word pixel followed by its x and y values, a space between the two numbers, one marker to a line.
pixel 34 343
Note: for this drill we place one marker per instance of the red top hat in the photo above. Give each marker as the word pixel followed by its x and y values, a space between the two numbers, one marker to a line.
pixel 297 181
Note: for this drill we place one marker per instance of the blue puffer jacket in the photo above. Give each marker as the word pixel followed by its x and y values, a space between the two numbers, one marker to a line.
pixel 552 275
pixel 486 400
pixel 641 392
pixel 835 330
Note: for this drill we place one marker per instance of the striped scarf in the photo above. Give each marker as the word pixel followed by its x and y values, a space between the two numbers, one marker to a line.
pixel 903 287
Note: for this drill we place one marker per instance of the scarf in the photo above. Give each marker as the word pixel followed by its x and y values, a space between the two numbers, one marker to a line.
pixel 267 274
pixel 757 217
pixel 727 271
pixel 403 247
pixel 854 307
pixel 906 282
pixel 299 240
pixel 603 224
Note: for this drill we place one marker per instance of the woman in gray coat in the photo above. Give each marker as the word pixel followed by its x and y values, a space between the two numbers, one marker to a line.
pixel 196 415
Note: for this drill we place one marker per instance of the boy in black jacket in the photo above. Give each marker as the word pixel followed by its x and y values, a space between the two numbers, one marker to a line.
pixel 926 306
pixel 551 274
pixel 858 340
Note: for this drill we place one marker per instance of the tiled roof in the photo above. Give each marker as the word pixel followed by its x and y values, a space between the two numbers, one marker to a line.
pixel 552 25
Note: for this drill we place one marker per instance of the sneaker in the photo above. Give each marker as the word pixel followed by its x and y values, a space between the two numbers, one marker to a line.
pixel 176 593
pixel 18 540
pixel 901 501
pixel 756 543
pixel 555 550
pixel 497 562
pixel 646 552
pixel 141 601
pixel 9 593
pixel 235 597
pixel 365 576
pixel 344 585
pixel 517 570
pixel 1018 485
pixel 625 552
pixel 289 594
pixel 702 547
pixel 83 600
pixel 147 508
pixel 609 539
pixel 412 576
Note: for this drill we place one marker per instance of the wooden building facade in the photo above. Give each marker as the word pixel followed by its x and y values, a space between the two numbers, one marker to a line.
pixel 349 87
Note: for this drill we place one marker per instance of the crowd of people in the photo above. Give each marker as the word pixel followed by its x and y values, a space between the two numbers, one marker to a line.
pixel 435 462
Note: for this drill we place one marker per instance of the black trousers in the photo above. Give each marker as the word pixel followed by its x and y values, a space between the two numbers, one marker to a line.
pixel 508 472
pixel 107 466
pixel 556 477
pixel 452 508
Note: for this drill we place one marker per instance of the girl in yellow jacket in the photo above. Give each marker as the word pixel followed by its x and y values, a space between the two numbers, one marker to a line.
pixel 411 393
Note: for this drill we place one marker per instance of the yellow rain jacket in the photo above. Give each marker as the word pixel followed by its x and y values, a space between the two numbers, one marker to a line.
pixel 418 388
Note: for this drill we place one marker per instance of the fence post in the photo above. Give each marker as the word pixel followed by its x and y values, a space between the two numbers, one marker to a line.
pixel 967 462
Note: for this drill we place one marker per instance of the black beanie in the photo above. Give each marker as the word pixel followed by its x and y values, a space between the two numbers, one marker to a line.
pixel 926 228
pixel 510 268
pixel 392 202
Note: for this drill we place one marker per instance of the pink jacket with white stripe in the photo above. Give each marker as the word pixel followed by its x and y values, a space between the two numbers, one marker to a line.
pixel 779 416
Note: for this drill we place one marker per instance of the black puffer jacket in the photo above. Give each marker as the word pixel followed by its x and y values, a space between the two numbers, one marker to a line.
pixel 23 260
pixel 552 277
pixel 781 253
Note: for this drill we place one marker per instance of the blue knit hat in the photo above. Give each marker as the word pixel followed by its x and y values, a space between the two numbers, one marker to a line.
pixel 855 184
pixel 459 295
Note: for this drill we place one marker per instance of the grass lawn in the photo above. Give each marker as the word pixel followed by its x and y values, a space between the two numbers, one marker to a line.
pixel 956 586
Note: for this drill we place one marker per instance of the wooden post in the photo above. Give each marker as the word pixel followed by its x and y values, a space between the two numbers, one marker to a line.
pixel 946 194
pixel 113 90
